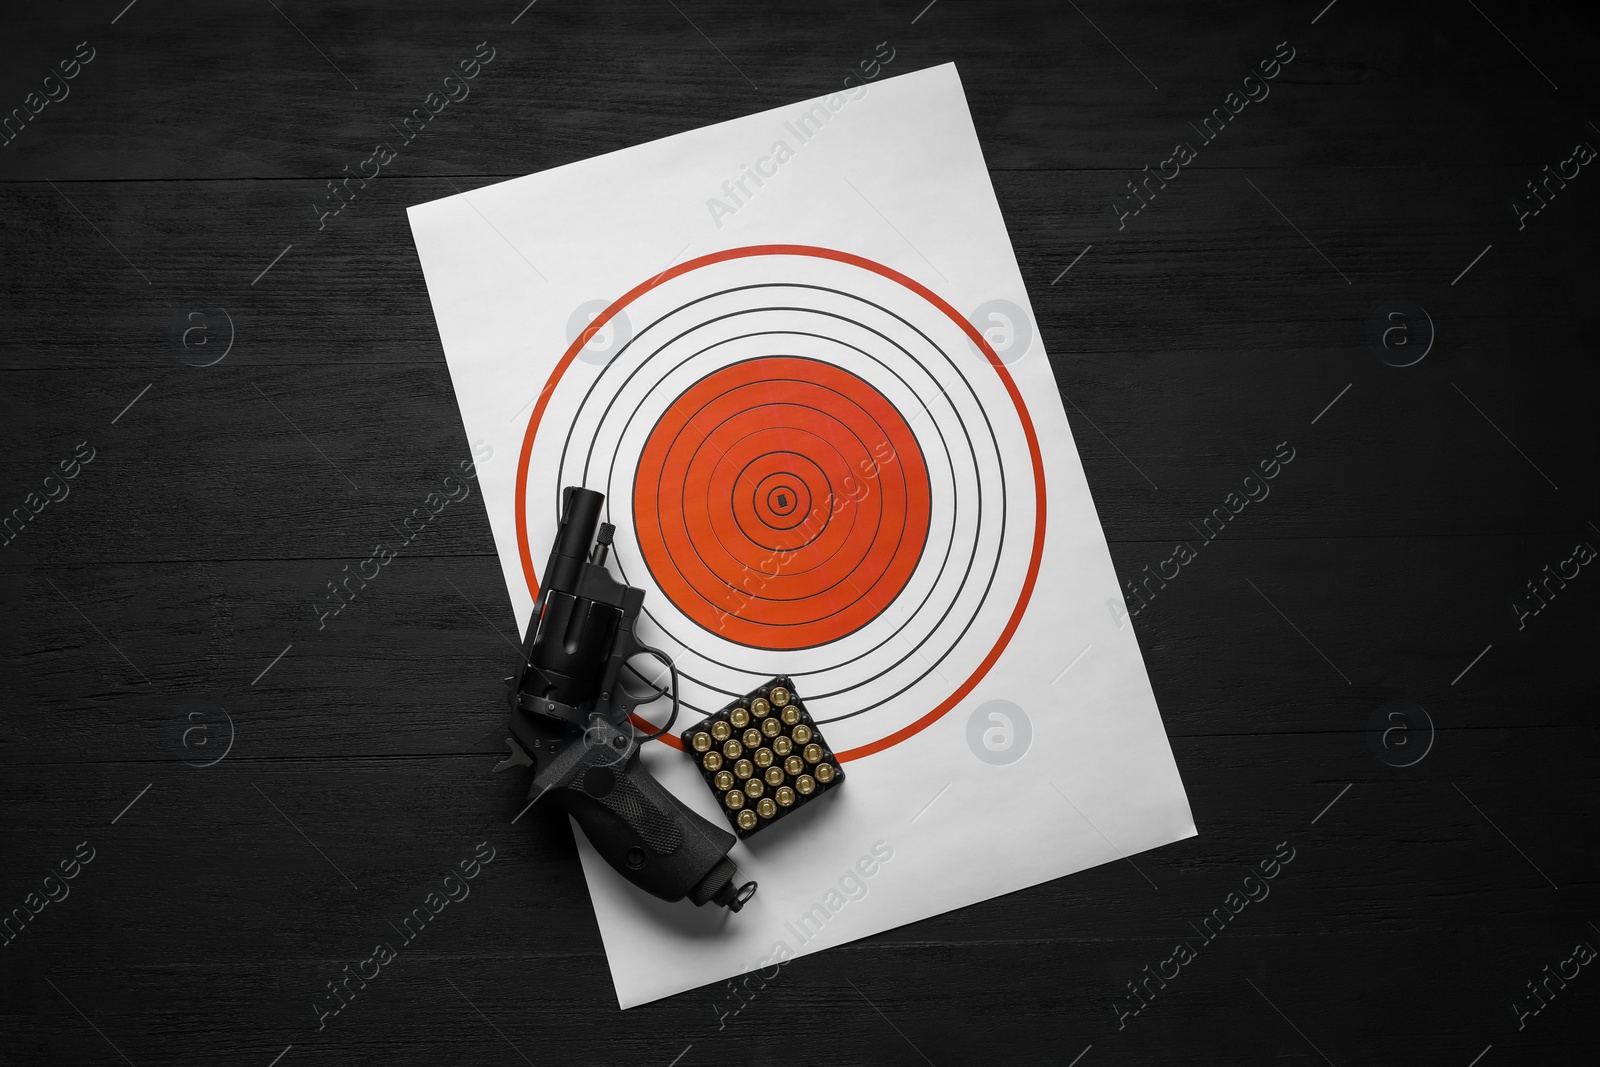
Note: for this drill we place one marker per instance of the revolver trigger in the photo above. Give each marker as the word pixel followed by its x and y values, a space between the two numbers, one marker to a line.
pixel 518 757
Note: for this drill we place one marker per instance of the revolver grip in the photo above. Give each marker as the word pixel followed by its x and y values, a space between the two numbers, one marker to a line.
pixel 651 837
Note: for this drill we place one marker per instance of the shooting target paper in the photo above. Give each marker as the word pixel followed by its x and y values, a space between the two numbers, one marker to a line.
pixel 795 353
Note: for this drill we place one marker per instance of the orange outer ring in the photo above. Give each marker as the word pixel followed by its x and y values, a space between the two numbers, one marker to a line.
pixel 913 728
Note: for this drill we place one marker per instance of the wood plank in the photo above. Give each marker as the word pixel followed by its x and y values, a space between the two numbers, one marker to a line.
pixel 1158 395
pixel 1254 635
pixel 1050 88
pixel 255 900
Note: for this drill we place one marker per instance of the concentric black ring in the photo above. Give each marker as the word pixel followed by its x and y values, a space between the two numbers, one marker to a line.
pixel 961 420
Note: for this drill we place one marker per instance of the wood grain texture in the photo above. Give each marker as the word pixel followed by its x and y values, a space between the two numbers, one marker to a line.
pixel 179 175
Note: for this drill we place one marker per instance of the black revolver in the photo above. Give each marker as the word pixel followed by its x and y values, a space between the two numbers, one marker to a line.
pixel 569 722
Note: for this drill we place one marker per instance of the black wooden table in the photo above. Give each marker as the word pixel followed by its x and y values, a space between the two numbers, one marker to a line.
pixel 216 400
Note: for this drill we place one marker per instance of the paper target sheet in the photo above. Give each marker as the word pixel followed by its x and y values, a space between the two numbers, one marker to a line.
pixel 796 354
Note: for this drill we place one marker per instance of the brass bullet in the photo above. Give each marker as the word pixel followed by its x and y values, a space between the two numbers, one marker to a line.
pixel 805 784
pixel 780 696
pixel 763 757
pixel 824 773
pixel 791 715
pixel 767 808
pixel 771 727
pixel 801 734
pixel 724 780
pixel 754 788
pixel 713 761
pixel 752 738
pixel 721 730
pixel 794 765
pixel 701 742
pixel 747 820
pixel 739 717
pixel 735 799
pixel 785 796
pixel 733 749
pixel 760 708
pixel 813 753
pixel 782 746
pixel 743 769
pixel 774 776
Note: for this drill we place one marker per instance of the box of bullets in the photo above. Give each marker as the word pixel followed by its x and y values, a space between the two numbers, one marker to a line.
pixel 763 757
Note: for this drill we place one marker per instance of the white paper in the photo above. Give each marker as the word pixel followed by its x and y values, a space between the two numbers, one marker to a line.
pixel 1052 757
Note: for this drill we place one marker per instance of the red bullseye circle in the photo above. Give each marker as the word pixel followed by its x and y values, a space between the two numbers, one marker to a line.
pixel 773 499
pixel 781 502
